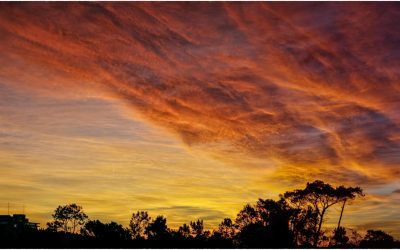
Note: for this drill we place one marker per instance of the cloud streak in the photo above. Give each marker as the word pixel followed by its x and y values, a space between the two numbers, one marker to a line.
pixel 292 83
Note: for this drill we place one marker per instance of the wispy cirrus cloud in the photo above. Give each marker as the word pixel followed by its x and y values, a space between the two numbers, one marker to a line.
pixel 288 82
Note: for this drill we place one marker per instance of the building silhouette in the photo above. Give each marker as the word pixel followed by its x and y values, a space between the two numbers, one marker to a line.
pixel 16 222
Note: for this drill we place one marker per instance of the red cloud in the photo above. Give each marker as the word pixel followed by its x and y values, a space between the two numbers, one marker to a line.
pixel 309 84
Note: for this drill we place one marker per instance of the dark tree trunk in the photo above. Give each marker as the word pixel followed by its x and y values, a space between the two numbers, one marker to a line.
pixel 319 228
pixel 341 214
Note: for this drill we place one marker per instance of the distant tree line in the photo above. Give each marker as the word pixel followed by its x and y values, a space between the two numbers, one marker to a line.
pixel 293 221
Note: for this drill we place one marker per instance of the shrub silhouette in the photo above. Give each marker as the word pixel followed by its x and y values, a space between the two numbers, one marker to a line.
pixel 377 239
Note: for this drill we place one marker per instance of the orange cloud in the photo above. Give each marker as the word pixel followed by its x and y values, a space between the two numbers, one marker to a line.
pixel 311 86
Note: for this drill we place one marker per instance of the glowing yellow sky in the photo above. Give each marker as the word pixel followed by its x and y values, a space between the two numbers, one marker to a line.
pixel 97 153
pixel 190 110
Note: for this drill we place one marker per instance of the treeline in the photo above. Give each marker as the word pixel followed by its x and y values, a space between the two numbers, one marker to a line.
pixel 293 221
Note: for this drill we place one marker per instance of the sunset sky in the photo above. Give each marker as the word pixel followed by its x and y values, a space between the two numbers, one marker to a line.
pixel 191 110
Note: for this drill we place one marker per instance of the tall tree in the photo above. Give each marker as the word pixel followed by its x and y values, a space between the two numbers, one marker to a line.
pixel 276 217
pixel 138 224
pixel 67 218
pixel 320 196
pixel 345 194
pixel 265 225
pixel 248 215
pixel 157 228
pixel 303 222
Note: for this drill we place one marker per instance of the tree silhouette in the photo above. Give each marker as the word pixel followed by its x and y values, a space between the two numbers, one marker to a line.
pixel 157 228
pixel 267 224
pixel 184 230
pixel 339 238
pixel 347 194
pixel 377 239
pixel 312 204
pixel 108 231
pixel 276 216
pixel 354 238
pixel 67 218
pixel 319 196
pixel 295 220
pixel 138 224
pixel 197 227
pixel 303 221
pixel 247 216
pixel 253 236
pixel 306 224
pixel 227 229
